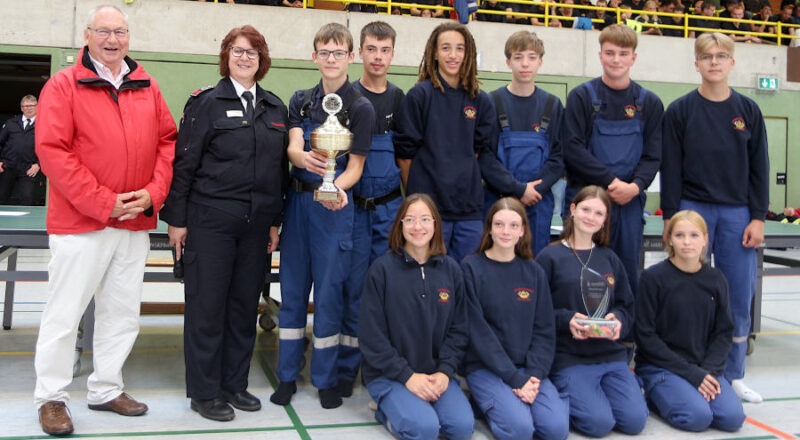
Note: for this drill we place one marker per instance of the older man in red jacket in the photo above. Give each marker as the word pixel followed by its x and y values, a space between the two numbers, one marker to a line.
pixel 106 139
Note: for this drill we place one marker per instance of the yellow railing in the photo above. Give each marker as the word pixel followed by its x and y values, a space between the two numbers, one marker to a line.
pixel 548 7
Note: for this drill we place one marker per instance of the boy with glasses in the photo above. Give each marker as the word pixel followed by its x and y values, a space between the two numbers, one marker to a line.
pixel 317 237
pixel 716 125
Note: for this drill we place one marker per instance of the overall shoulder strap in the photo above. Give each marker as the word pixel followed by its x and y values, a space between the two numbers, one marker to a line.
pixel 501 110
pixel 548 111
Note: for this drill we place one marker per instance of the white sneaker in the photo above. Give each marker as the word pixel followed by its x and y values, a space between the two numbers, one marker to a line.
pixel 372 405
pixel 746 393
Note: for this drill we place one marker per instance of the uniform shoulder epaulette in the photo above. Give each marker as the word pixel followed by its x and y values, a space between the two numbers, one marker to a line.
pixel 201 90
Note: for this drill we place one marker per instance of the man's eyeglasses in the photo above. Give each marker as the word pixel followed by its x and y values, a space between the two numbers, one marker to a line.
pixel 28 105
pixel 707 57
pixel 105 33
pixel 238 52
pixel 337 54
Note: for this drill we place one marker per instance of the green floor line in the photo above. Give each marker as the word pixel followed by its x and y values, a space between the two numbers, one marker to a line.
pixel 298 425
pixel 155 433
pixel 781 399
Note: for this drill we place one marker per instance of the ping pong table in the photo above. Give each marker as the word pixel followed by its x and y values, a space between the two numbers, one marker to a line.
pixel 23 227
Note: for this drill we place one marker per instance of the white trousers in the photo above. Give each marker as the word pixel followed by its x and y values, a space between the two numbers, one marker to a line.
pixel 109 266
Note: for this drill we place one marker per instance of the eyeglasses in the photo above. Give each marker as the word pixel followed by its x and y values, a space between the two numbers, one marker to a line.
pixel 28 105
pixel 238 52
pixel 708 57
pixel 105 33
pixel 411 221
pixel 337 54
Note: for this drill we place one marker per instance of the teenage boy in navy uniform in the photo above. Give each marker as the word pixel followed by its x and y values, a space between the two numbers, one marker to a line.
pixel 377 195
pixel 317 237
pixel 612 138
pixel 529 148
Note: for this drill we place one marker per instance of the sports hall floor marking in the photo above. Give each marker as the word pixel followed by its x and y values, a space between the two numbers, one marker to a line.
pixel 775 431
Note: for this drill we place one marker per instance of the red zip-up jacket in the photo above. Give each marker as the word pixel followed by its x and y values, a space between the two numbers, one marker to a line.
pixel 94 141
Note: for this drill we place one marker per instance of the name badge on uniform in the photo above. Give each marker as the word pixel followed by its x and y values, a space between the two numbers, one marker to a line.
pixel 235 114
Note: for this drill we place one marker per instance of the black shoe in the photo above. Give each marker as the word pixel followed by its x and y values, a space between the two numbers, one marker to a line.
pixel 345 388
pixel 242 400
pixel 214 409
pixel 330 398
pixel 283 395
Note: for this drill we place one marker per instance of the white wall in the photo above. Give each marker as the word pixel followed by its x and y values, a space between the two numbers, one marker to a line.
pixel 179 26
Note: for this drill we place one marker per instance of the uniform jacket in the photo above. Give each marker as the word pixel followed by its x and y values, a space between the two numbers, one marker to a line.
pixel 227 162
pixel 17 145
pixel 95 141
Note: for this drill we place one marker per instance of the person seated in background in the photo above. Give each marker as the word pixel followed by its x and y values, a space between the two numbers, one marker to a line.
pixel 730 5
pixel 292 3
pixel 636 5
pixel 564 15
pixel 648 16
pixel 493 6
pixel 684 331
pixel 360 7
pixel 738 12
pixel 707 21
pixel 672 7
pixel 608 17
pixel 435 13
pixel 755 6
pixel 786 16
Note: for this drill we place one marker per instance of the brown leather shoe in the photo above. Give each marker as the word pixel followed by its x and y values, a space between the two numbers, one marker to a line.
pixel 124 405
pixel 55 418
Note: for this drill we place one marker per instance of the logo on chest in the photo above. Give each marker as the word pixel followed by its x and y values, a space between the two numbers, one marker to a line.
pixel 470 112
pixel 630 111
pixel 524 294
pixel 739 124
pixel 610 279
pixel 444 295
pixel 536 127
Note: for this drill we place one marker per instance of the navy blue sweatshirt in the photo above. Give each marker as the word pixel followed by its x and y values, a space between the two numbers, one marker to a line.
pixel 443 132
pixel 683 321
pixel 731 136
pixel 510 319
pixel 525 114
pixel 582 167
pixel 563 274
pixel 413 318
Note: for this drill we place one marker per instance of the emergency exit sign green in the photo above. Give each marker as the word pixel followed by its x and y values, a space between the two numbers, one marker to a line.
pixel 768 83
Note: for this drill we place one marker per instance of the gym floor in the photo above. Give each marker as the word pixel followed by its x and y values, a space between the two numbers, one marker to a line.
pixel 154 374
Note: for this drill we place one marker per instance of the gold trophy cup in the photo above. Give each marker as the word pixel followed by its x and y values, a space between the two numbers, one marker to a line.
pixel 333 140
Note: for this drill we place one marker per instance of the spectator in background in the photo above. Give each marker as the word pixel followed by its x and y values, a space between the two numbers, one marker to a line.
pixel 292 3
pixel 785 17
pixel 494 6
pixel 648 17
pixel 21 179
pixel 360 7
pixel 755 6
pixel 764 16
pixel 738 12
pixel 636 5
pixel 672 7
pixel 729 7
pixel 435 13
pixel 707 21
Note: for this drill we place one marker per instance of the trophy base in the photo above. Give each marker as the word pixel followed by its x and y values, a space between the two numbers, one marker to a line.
pixel 599 328
pixel 326 196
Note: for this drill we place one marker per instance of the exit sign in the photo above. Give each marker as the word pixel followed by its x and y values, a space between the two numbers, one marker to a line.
pixel 768 83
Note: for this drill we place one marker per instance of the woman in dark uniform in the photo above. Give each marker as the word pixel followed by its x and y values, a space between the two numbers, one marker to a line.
pixel 224 206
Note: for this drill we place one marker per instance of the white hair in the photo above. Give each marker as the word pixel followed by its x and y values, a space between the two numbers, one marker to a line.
pixel 94 11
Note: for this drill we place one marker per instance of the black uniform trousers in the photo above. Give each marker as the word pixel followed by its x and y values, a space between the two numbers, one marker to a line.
pixel 225 262
pixel 17 188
